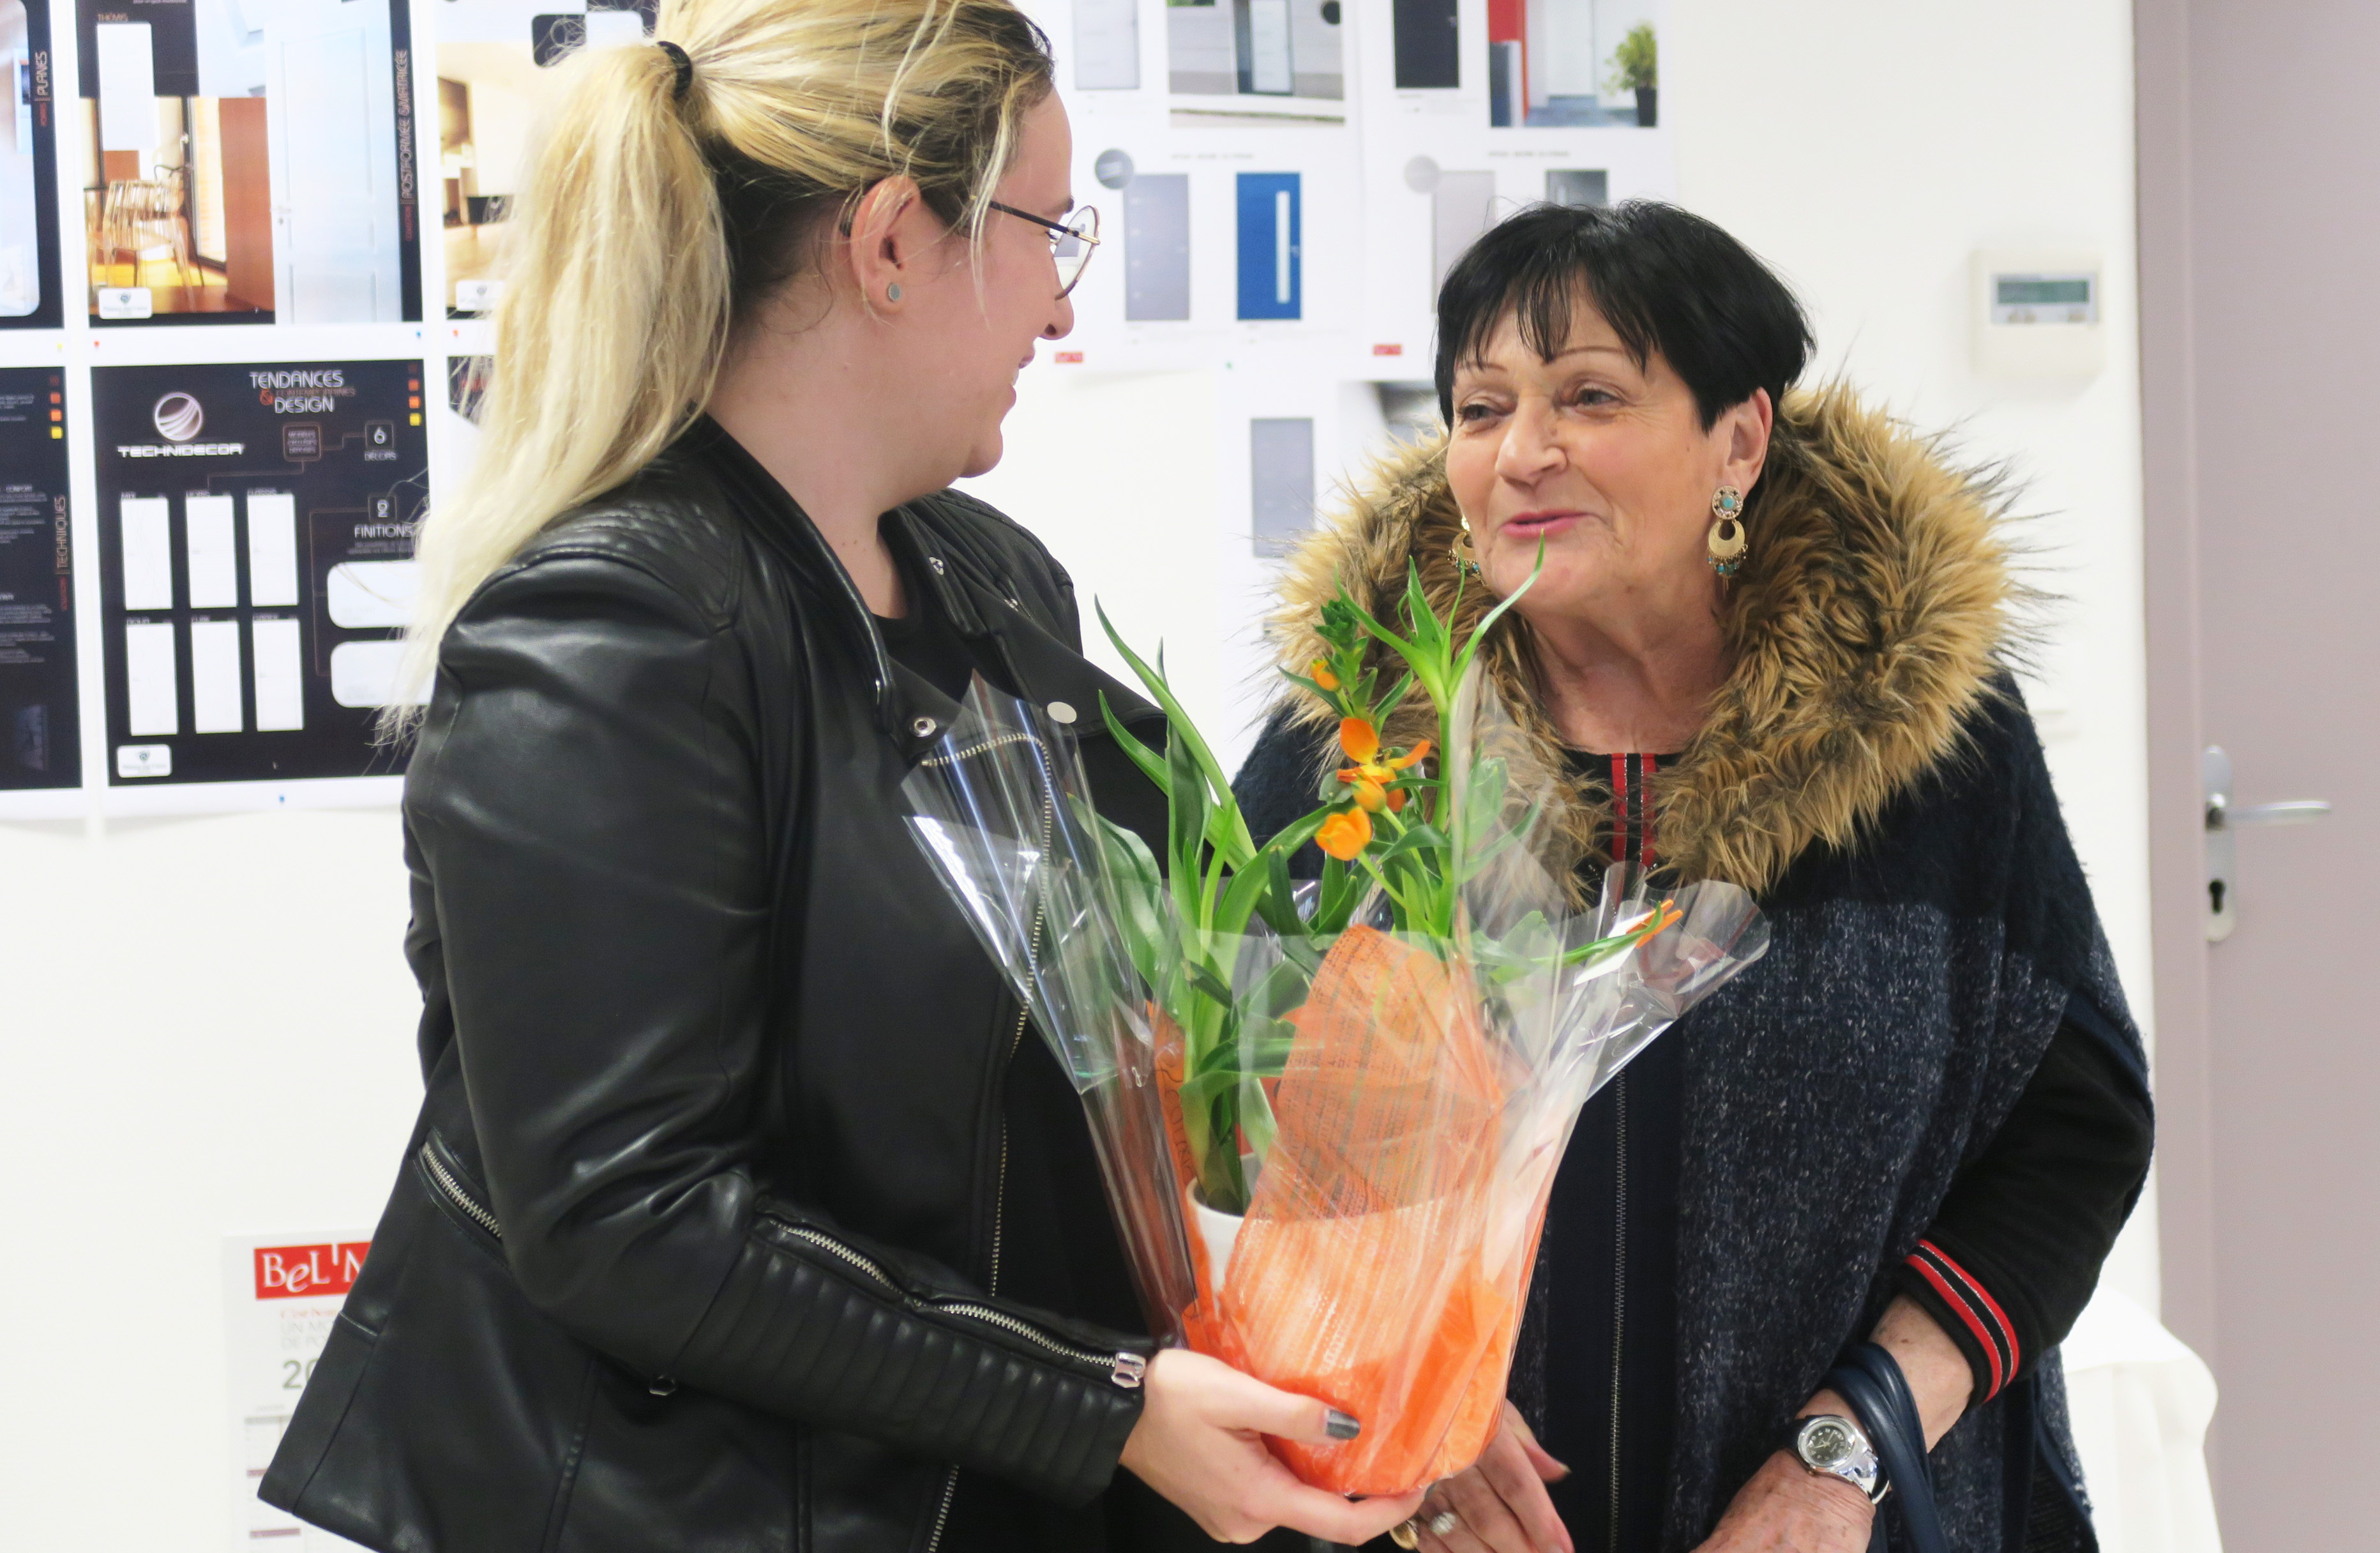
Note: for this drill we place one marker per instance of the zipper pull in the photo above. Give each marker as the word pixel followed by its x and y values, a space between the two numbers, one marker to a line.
pixel 1130 1369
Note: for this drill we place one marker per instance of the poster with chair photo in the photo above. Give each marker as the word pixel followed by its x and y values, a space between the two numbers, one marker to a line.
pixel 29 284
pixel 496 60
pixel 249 162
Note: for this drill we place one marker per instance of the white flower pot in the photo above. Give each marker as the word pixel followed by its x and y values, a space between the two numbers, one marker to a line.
pixel 1220 1232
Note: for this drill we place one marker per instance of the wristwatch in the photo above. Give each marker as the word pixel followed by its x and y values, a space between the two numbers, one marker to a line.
pixel 1831 1444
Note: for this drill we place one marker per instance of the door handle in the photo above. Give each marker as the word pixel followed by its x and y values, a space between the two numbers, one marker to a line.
pixel 2222 822
pixel 2296 810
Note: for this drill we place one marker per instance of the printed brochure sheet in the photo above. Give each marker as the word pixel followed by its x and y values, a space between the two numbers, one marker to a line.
pixel 256 564
pixel 249 162
pixel 41 743
pixel 281 1295
pixel 30 286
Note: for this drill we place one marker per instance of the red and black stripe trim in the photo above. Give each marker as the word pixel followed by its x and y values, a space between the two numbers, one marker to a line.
pixel 1974 1305
pixel 1632 809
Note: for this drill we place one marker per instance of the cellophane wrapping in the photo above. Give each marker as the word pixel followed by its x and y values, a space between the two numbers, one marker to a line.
pixel 1396 1102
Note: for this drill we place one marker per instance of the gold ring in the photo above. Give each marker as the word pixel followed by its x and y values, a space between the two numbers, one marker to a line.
pixel 1407 1534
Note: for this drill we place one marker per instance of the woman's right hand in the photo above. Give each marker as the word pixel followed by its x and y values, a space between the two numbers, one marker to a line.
pixel 1196 1443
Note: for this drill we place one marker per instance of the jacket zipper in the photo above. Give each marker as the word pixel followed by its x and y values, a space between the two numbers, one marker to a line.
pixel 997 741
pixel 1000 1188
pixel 1000 1181
pixel 1123 1369
pixel 1618 1293
pixel 450 1186
pixel 1015 1040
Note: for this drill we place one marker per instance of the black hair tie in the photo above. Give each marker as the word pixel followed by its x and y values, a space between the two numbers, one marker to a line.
pixel 683 64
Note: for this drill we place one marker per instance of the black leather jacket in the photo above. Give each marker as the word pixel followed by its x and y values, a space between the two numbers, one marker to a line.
pixel 696 1243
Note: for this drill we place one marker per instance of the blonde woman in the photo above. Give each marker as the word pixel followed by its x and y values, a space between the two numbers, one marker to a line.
pixel 744 1212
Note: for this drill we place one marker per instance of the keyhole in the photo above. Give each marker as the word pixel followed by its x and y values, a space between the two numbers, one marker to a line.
pixel 2214 895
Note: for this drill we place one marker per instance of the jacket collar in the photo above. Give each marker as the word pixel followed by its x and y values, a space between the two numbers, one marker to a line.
pixel 980 602
pixel 986 607
pixel 1871 618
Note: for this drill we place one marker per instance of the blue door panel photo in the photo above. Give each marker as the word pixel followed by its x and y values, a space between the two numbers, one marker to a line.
pixel 1272 282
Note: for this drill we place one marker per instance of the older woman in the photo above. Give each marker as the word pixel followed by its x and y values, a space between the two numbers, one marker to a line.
pixel 1770 644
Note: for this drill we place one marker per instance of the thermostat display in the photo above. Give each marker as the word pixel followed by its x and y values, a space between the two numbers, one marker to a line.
pixel 2037 313
pixel 2044 299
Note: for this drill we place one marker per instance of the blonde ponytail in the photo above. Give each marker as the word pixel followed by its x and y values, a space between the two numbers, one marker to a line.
pixel 625 266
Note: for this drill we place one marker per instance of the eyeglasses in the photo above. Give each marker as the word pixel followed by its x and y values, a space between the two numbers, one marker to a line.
pixel 1070 240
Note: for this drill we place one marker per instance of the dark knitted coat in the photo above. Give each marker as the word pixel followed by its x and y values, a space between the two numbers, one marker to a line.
pixel 1869 771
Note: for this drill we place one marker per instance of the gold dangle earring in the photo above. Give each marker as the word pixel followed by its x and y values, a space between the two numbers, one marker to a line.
pixel 1726 539
pixel 1466 559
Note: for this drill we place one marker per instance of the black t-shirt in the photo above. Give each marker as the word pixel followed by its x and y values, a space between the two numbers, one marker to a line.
pixel 924 643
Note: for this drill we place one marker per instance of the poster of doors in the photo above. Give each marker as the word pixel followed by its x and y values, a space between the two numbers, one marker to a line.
pixel 256 564
pixel 1284 185
pixel 249 162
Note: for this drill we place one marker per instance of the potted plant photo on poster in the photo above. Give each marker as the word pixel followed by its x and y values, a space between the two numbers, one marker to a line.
pixel 1634 68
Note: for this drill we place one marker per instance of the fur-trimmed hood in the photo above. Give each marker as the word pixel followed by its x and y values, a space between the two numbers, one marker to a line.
pixel 1871 617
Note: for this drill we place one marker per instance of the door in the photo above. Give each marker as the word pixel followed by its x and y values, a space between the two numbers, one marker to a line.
pixel 1156 247
pixel 2259 143
pixel 1461 208
pixel 1271 260
pixel 1107 46
pixel 331 92
pixel 1427 34
pixel 1262 31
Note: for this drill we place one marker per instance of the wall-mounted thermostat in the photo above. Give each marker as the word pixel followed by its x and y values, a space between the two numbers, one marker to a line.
pixel 2038 314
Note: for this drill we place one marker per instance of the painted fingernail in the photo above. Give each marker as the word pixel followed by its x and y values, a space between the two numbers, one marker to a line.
pixel 1343 1425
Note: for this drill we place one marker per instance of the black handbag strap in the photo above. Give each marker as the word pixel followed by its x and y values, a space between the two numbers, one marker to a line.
pixel 1870 1380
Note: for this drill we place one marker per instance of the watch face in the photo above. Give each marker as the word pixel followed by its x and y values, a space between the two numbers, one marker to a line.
pixel 1827 1444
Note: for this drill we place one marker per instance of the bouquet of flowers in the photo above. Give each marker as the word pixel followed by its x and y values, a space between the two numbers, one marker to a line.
pixel 1328 1112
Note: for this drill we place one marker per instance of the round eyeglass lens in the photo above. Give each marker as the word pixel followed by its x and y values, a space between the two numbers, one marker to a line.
pixel 1075 247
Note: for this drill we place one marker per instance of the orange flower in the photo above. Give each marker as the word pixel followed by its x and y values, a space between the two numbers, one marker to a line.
pixel 1397 797
pixel 1323 677
pixel 1345 834
pixel 1359 739
pixel 1411 757
pixel 1369 794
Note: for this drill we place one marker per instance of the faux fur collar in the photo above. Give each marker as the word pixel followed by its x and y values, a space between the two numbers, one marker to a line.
pixel 1870 619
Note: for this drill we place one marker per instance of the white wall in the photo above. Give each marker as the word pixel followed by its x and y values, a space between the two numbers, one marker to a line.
pixel 208 1030
pixel 208 1024
pixel 1867 148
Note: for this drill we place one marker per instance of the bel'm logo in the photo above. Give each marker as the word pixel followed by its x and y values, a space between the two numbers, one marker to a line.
pixel 307 1271
pixel 179 417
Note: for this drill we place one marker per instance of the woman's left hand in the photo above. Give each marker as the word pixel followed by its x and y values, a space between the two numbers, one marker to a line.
pixel 1788 1509
pixel 1500 1505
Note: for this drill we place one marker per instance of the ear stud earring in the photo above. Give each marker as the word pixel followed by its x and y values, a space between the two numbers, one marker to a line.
pixel 893 292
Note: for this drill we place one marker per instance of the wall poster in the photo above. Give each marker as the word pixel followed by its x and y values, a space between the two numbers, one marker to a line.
pixel 494 62
pixel 256 540
pixel 249 161
pixel 41 742
pixel 281 1295
pixel 29 284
